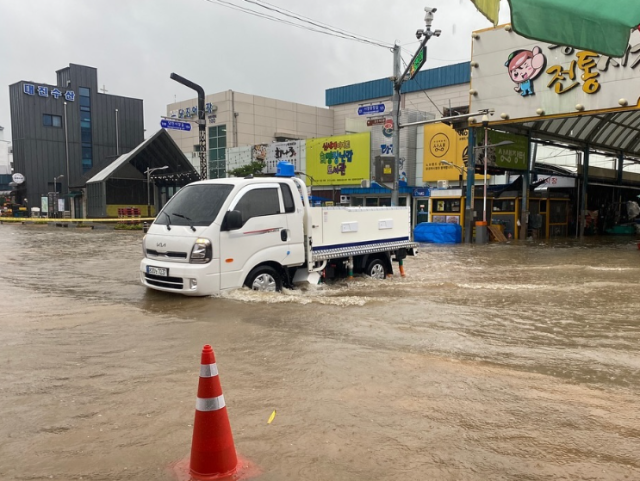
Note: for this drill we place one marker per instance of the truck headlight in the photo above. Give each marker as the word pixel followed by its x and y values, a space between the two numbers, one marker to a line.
pixel 201 252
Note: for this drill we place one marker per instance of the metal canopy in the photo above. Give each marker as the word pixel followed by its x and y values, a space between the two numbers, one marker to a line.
pixel 157 151
pixel 614 132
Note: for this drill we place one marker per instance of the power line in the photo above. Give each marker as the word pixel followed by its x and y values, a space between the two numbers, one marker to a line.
pixel 289 13
pixel 325 31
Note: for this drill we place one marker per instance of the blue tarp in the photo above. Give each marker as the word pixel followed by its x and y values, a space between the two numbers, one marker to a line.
pixel 438 233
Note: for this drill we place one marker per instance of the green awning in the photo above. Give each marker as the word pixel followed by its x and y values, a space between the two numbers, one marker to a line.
pixel 601 26
pixel 74 193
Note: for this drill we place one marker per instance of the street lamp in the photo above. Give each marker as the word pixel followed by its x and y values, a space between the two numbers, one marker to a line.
pixel 148 172
pixel 55 193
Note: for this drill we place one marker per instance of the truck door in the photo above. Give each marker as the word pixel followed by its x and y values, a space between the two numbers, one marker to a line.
pixel 295 226
pixel 262 237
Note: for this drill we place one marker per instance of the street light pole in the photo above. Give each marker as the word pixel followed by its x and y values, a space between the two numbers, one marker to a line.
pixel 148 172
pixel 201 121
pixel 419 58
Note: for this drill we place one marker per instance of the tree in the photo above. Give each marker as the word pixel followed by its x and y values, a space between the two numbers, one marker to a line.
pixel 254 168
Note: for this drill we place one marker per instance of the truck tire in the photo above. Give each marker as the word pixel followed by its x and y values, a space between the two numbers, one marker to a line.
pixel 376 268
pixel 265 279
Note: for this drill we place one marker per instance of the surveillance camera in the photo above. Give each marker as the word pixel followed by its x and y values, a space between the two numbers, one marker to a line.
pixel 437 33
pixel 430 10
pixel 419 34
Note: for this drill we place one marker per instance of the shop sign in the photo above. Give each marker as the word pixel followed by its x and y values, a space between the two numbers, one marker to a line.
pixel 17 178
pixel 513 156
pixel 378 121
pixel 43 91
pixel 421 192
pixel 340 160
pixel 529 79
pixel 555 182
pixel 371 109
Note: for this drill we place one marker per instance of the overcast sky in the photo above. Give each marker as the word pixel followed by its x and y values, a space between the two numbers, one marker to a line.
pixel 136 44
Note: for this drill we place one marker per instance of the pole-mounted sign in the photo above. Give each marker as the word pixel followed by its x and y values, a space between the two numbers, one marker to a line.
pixel 418 62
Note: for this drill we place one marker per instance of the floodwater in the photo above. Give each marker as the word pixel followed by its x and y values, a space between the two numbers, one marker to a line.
pixel 496 362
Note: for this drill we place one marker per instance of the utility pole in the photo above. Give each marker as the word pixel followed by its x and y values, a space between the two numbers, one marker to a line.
pixel 201 122
pixel 418 60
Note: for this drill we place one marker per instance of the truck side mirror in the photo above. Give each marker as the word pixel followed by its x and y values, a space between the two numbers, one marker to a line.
pixel 233 220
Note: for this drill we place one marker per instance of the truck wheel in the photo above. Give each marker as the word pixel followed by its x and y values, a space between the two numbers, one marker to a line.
pixel 265 279
pixel 376 269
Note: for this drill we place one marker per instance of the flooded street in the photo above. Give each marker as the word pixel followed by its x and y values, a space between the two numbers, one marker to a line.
pixel 496 362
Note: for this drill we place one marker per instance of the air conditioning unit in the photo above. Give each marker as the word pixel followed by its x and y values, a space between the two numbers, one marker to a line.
pixel 345 199
pixel 443 184
pixel 365 184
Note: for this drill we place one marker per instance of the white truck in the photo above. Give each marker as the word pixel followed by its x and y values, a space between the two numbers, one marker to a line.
pixel 217 235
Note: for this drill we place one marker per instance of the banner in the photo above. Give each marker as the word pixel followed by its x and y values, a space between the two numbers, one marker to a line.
pixel 340 160
pixel 513 156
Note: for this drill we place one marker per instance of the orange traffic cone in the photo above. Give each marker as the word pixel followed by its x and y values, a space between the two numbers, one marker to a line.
pixel 213 454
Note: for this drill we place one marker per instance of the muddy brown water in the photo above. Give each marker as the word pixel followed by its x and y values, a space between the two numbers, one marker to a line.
pixel 497 362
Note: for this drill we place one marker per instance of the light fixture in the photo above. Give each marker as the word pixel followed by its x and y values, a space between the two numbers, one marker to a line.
pixel 508 28
pixel 623 102
pixel 475 36
pixel 474 64
pixel 504 116
pixel 580 107
pixel 473 92
pixel 472 120
pixel 540 111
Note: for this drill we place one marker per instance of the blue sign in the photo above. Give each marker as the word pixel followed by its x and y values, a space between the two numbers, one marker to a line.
pixel 421 192
pixel 371 109
pixel 174 124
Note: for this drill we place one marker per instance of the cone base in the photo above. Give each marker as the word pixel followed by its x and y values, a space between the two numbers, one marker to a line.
pixel 245 469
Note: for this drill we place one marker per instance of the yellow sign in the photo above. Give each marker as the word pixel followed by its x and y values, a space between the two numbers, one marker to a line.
pixel 340 160
pixel 443 143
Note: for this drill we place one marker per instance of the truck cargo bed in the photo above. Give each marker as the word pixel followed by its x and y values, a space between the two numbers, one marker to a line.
pixel 345 231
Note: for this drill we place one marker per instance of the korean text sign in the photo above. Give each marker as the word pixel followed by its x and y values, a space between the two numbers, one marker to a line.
pixel 340 160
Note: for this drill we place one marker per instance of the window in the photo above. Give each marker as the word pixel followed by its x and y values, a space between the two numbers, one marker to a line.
pixel 217 151
pixel 289 206
pixel 258 203
pixel 85 128
pixel 198 205
pixel 49 120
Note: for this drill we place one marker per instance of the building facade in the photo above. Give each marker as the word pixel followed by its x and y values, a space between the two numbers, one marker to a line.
pixel 63 131
pixel 235 119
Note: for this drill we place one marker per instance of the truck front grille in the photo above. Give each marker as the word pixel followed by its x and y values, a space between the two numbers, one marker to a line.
pixel 167 255
pixel 166 282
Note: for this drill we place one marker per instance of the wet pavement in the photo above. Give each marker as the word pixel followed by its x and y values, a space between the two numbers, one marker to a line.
pixel 497 362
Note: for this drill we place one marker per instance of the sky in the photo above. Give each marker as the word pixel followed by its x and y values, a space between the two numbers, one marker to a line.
pixel 137 44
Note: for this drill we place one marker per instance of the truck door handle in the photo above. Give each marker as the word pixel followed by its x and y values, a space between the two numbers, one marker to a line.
pixel 283 235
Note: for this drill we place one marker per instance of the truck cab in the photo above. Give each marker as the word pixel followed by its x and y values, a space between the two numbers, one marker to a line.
pixel 217 235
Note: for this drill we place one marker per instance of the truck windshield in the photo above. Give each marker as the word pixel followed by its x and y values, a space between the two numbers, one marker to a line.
pixel 194 205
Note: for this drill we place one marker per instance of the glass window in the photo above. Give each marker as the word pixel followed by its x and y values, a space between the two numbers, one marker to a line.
pixel 371 202
pixel 46 120
pixel 198 205
pixel 85 102
pixel 85 135
pixel 56 121
pixel 84 91
pixel 86 152
pixel 258 203
pixel 287 197
pixel 85 117
pixel 85 109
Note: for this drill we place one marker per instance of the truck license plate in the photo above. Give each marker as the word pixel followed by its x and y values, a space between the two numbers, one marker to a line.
pixel 158 271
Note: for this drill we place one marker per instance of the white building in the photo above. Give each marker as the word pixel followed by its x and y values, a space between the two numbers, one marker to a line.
pixel 5 154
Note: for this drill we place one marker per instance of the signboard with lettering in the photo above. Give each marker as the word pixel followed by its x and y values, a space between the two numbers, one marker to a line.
pixel 418 62
pixel 371 109
pixel 525 79
pixel 513 156
pixel 48 91
pixel 176 125
pixel 339 160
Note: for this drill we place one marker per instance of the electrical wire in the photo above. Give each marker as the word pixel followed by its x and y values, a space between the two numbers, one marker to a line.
pixel 332 32
pixel 310 21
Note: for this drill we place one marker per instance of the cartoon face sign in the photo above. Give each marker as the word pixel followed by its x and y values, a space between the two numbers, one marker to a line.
pixel 524 66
